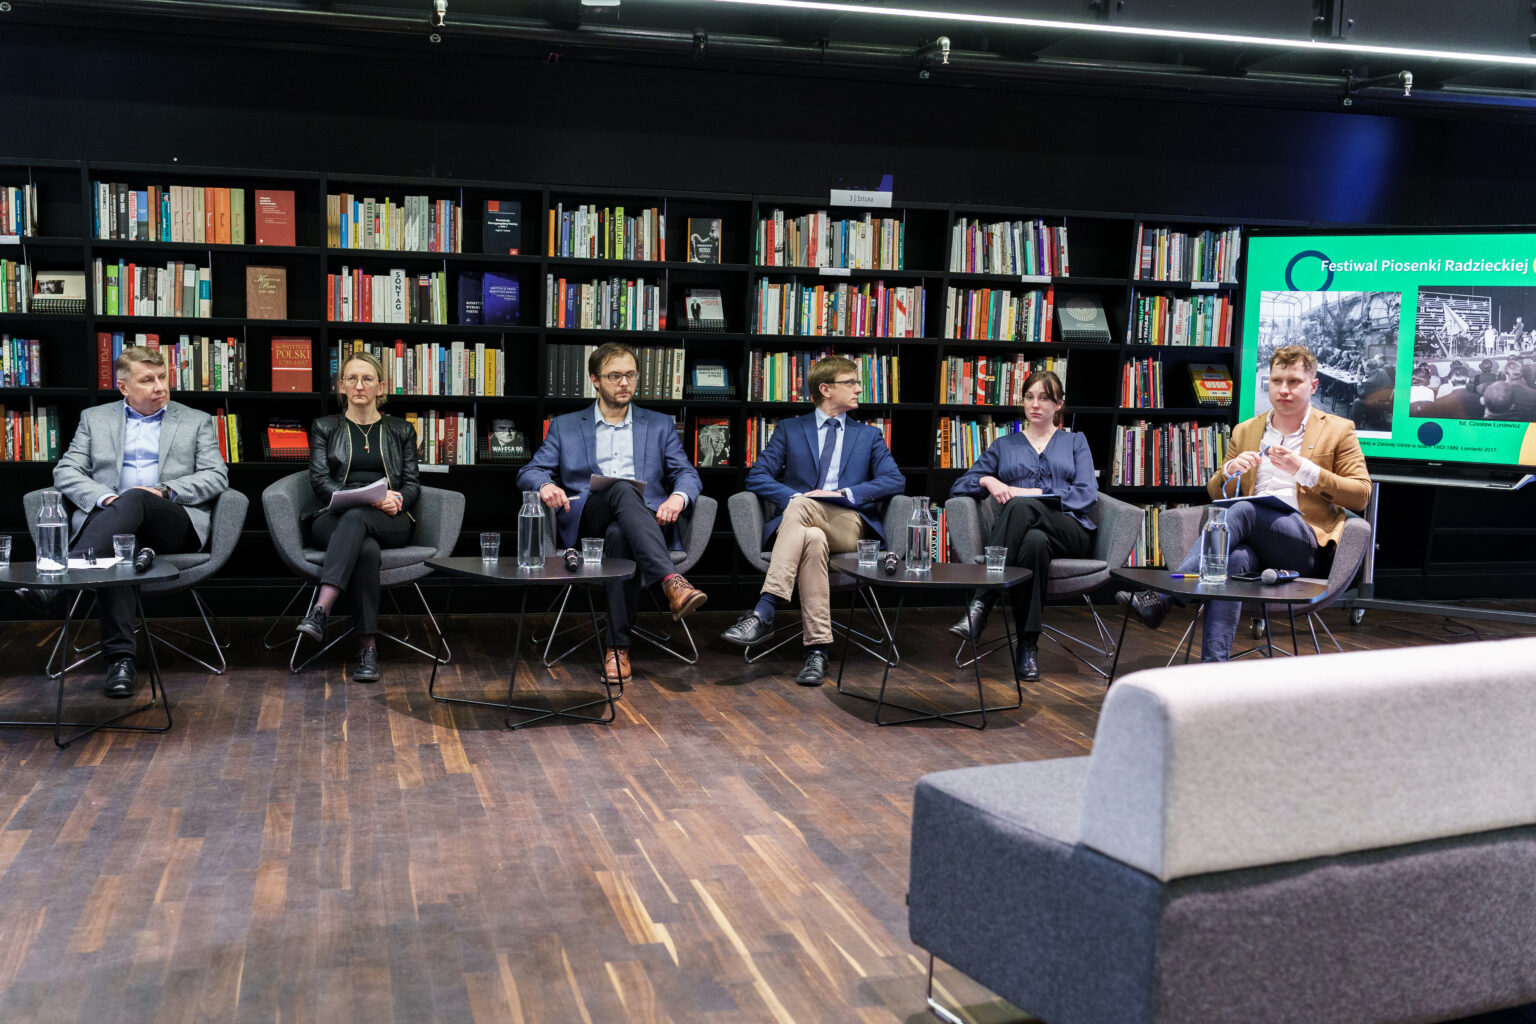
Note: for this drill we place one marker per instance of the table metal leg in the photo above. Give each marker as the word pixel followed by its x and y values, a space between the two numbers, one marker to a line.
pixel 157 693
pixel 918 714
pixel 1119 646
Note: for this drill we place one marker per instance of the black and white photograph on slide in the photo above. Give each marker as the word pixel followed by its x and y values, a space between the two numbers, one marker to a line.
pixel 1474 357
pixel 1353 335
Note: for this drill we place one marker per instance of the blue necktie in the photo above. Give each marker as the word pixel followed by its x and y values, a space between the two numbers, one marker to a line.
pixel 824 464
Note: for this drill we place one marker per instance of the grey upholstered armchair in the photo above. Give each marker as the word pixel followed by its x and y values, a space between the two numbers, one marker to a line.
pixel 1117 526
pixel 439 515
pixel 194 567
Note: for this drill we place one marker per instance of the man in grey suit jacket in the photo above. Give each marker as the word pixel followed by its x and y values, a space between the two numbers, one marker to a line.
pixel 149 467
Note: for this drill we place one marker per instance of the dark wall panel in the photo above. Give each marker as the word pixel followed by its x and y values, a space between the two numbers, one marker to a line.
pixel 436 112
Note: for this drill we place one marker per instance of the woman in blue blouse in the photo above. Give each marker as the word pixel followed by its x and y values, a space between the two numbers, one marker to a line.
pixel 1044 459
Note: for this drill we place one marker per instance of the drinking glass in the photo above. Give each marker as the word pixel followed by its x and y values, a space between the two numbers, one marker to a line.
pixel 869 552
pixel 997 557
pixel 592 550
pixel 122 546
pixel 490 547
pixel 5 551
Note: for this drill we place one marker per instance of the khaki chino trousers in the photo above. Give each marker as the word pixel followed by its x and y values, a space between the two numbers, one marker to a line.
pixel 810 533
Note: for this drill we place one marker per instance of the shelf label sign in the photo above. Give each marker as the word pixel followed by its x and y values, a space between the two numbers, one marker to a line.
pixel 833 271
pixel 871 190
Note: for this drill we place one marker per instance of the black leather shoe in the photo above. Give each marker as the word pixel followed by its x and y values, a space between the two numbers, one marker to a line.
pixel 1148 605
pixel 43 599
pixel 1027 665
pixel 748 630
pixel 120 677
pixel 815 671
pixel 975 619
pixel 367 670
pixel 313 625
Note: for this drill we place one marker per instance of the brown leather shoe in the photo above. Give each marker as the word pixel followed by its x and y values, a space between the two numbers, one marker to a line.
pixel 683 596
pixel 616 665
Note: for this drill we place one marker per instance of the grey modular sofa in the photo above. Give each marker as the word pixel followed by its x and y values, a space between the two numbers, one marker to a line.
pixel 1347 839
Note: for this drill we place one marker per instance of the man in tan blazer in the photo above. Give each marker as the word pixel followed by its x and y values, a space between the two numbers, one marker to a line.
pixel 1310 460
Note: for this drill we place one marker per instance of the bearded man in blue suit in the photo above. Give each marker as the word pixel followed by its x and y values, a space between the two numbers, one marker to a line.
pixel 616 438
pixel 826 473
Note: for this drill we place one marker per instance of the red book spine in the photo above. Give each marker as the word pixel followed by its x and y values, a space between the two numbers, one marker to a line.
pixel 104 366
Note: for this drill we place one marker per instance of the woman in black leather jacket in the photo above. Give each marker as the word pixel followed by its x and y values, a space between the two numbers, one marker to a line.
pixel 350 449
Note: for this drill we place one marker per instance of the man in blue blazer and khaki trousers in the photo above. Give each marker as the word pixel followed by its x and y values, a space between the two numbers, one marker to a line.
pixel 615 438
pixel 826 472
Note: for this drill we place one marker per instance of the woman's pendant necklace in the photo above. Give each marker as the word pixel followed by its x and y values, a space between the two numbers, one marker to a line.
pixel 367 447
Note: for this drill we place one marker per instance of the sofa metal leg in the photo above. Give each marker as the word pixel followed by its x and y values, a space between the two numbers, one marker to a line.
pixel 437 637
pixel 212 639
pixel 934 1007
pixel 86 651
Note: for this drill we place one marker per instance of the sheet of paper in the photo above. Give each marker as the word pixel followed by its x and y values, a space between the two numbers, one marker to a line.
pixel 100 563
pixel 364 495
pixel 602 483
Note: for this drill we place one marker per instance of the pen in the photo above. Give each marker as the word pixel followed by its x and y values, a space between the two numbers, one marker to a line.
pixel 1182 575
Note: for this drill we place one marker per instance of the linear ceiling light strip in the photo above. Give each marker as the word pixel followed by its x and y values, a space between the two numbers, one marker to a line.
pixel 1145 33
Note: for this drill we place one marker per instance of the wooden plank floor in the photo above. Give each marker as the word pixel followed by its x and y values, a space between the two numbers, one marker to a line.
pixel 301 848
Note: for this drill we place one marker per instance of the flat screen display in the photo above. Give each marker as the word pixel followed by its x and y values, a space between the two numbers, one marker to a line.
pixel 1427 341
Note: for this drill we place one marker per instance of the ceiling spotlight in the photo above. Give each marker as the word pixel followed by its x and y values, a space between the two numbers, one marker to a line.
pixel 439 13
pixel 939 46
pixel 599 3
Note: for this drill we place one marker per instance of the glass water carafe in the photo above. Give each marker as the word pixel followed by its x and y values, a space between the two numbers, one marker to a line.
pixel 52 535
pixel 920 537
pixel 1214 538
pixel 530 532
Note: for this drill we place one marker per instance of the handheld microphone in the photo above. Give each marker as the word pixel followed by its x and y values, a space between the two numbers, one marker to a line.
pixel 890 561
pixel 144 560
pixel 572 559
pixel 1273 576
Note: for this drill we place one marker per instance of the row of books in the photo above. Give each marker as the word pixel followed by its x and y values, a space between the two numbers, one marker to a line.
pixel 427 367
pixel 661 372
pixel 21 362
pixel 18 210
pixel 15 287
pixel 1164 254
pixel 607 233
pixel 227 426
pixel 871 310
pixel 1021 247
pixel 999 314
pixel 192 363
pixel 1202 320
pixel 1148 549
pixel 1141 384
pixel 781 376
pixel 815 240
pixel 992 380
pixel 31 434
pixel 415 224
pixel 189 214
pixel 178 289
pixel 612 305
pixel 1169 454
pixel 397 297
pixel 488 297
pixel 444 438
pixel 960 442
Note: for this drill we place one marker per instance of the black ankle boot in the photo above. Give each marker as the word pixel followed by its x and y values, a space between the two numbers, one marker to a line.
pixel 975 619
pixel 1027 665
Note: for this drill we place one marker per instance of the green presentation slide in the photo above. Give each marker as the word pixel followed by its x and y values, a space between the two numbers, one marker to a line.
pixel 1426 341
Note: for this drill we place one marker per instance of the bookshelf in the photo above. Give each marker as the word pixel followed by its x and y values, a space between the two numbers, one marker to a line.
pixel 918 249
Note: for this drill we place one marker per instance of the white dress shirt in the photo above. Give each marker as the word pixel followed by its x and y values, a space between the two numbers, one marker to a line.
pixel 1270 478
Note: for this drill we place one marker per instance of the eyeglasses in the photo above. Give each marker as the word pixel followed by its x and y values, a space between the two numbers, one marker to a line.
pixel 857 385
pixel 360 382
pixel 621 378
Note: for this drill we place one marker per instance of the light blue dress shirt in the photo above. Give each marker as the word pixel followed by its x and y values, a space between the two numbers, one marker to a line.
pixel 616 444
pixel 141 450
pixel 830 483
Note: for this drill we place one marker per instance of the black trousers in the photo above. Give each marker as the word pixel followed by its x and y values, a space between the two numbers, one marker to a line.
pixel 155 522
pixel 629 530
pixel 353 541
pixel 1034 535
